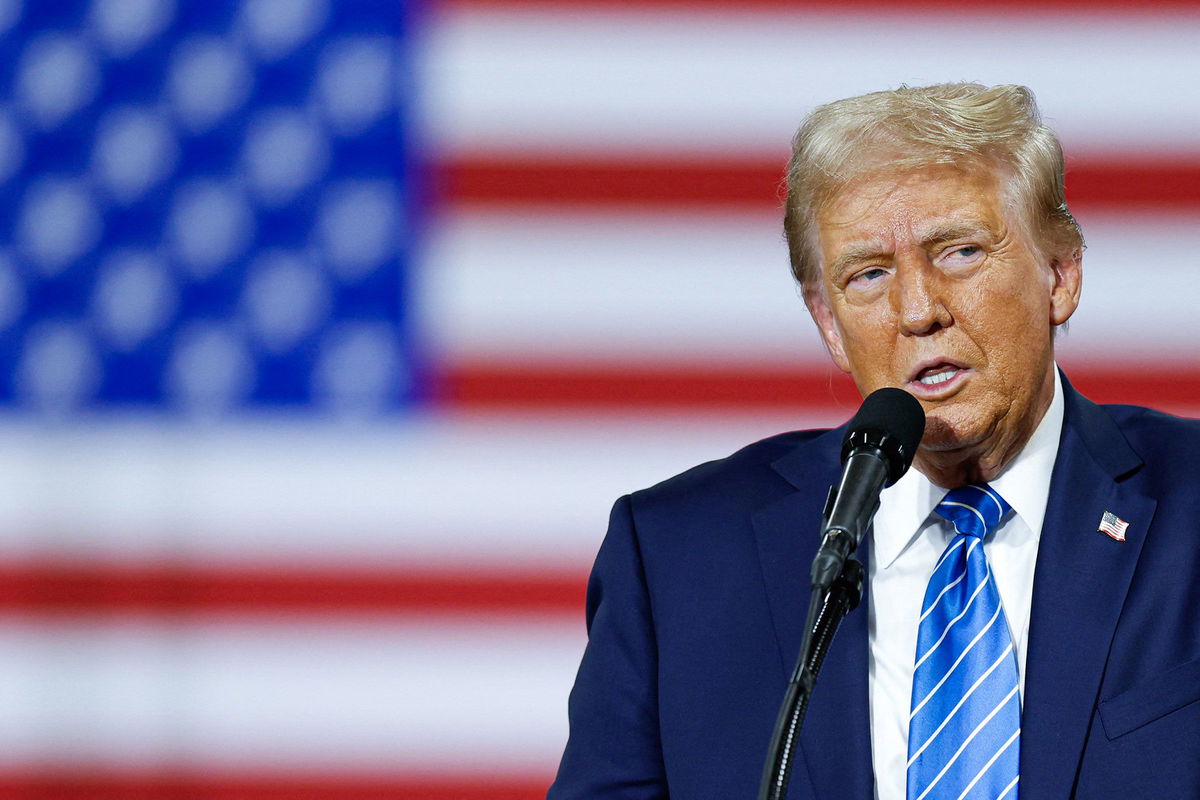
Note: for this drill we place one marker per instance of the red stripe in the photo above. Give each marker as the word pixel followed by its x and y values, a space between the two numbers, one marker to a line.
pixel 493 385
pixel 647 182
pixel 812 389
pixel 179 589
pixel 1136 182
pixel 499 181
pixel 55 785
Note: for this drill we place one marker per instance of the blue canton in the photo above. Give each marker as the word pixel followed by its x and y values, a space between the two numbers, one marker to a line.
pixel 206 209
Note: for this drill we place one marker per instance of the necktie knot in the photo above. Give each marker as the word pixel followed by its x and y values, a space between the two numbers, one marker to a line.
pixel 973 510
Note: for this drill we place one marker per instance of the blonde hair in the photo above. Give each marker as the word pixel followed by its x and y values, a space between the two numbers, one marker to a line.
pixel 966 124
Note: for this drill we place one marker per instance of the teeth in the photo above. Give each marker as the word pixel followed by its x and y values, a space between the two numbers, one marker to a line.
pixel 938 377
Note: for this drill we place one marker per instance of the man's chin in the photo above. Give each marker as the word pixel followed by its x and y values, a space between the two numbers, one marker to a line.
pixel 942 436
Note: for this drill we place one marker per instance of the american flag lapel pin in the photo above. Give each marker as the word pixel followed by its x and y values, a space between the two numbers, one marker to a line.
pixel 1113 525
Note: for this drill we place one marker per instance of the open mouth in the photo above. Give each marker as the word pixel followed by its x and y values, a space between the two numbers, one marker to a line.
pixel 937 376
pixel 936 379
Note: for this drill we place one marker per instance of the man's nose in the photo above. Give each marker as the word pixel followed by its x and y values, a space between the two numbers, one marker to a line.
pixel 917 296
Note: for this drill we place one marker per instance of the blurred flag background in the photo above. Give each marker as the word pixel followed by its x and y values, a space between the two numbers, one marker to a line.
pixel 329 330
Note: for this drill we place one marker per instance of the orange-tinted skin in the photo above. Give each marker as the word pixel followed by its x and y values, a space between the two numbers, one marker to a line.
pixel 934 269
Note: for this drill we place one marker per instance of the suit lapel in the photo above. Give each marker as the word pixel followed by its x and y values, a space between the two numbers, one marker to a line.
pixel 1080 584
pixel 1079 587
pixel 787 530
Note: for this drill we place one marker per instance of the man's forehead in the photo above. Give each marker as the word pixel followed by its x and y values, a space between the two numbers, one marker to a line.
pixel 935 203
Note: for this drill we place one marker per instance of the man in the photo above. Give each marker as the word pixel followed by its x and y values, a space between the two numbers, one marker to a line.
pixel 1032 620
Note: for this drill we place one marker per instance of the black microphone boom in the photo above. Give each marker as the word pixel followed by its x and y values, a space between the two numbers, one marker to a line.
pixel 879 447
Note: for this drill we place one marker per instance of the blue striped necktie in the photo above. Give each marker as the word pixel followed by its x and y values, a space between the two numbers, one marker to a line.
pixel 964 729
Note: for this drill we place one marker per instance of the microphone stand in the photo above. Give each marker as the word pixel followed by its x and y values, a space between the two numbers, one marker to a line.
pixel 825 613
pixel 879 446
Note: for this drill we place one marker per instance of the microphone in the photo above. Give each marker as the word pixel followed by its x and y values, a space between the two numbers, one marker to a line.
pixel 879 447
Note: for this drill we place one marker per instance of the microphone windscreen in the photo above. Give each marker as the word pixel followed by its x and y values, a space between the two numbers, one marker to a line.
pixel 894 420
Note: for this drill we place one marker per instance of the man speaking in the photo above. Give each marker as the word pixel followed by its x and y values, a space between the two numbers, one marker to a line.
pixel 1032 620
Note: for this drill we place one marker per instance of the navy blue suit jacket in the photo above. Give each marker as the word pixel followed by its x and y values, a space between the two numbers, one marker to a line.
pixel 698 595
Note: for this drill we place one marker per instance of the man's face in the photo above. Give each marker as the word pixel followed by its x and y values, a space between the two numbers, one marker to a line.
pixel 931 283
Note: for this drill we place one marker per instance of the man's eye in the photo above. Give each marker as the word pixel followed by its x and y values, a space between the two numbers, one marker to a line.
pixel 966 252
pixel 868 275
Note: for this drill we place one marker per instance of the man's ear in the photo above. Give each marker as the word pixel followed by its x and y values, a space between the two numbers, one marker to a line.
pixel 818 307
pixel 1067 286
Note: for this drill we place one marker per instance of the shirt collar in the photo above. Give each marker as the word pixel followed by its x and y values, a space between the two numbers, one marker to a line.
pixel 1025 484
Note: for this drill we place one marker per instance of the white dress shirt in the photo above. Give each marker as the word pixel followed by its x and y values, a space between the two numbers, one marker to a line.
pixel 907 540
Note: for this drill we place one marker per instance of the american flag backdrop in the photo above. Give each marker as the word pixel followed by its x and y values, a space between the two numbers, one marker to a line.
pixel 330 329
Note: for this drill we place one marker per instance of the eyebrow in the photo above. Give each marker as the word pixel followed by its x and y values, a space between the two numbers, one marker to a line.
pixel 938 233
pixel 954 230
pixel 857 253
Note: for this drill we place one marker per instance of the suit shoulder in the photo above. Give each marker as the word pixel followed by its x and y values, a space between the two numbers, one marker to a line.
pixel 1148 423
pixel 747 473
pixel 1158 437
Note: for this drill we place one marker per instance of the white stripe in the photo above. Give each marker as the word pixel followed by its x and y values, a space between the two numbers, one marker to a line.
pixel 988 765
pixel 373 696
pixel 959 704
pixel 1008 788
pixel 957 661
pixel 616 287
pixel 950 624
pixel 954 545
pixel 995 498
pixel 942 594
pixel 658 287
pixel 967 741
pixel 953 583
pixel 439 491
pixel 972 509
pixel 483 89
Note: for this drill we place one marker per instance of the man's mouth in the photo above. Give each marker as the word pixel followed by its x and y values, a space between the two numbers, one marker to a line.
pixel 938 375
pixel 934 380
